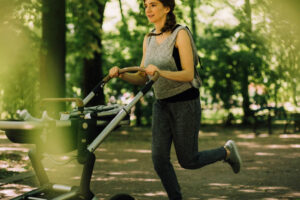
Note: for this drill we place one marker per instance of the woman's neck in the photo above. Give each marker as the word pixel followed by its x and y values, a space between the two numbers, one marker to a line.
pixel 159 25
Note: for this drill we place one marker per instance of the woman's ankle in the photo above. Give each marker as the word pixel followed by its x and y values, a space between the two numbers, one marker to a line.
pixel 227 153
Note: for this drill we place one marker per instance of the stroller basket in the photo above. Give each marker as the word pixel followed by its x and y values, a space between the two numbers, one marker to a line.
pixel 63 133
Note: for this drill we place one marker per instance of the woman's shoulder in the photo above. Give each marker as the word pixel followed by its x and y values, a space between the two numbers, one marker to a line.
pixel 182 32
pixel 179 28
pixel 182 36
pixel 146 39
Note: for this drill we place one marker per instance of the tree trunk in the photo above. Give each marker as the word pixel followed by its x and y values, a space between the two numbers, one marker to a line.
pixel 245 94
pixel 125 33
pixel 122 15
pixel 248 12
pixel 92 69
pixel 245 81
pixel 53 49
pixel 193 20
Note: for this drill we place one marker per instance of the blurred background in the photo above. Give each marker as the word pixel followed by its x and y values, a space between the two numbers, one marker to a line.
pixel 62 48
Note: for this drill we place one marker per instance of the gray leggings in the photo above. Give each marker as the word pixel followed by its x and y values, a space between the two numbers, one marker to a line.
pixel 178 122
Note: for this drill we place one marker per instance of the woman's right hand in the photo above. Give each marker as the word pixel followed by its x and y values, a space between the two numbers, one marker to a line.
pixel 114 72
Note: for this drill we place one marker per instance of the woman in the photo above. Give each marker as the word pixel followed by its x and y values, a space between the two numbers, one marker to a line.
pixel 176 111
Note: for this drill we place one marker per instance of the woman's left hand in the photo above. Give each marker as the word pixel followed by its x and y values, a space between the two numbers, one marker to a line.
pixel 151 69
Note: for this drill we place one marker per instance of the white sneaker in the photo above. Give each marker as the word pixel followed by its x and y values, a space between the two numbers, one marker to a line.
pixel 234 158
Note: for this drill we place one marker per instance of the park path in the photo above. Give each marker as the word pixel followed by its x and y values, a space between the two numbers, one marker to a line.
pixel 271 167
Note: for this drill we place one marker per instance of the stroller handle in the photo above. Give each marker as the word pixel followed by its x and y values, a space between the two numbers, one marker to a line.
pixel 131 69
pixel 126 109
pixel 100 85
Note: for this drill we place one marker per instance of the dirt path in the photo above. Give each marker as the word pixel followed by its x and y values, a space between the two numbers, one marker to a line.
pixel 271 167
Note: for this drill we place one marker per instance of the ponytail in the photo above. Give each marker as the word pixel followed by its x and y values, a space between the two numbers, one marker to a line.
pixel 170 22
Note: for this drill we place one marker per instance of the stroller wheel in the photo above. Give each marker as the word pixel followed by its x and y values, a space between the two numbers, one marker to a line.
pixel 122 197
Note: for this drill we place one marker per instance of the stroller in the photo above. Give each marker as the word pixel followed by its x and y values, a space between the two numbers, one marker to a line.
pixel 82 129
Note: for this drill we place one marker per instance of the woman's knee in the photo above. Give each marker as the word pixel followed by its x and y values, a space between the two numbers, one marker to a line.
pixel 187 163
pixel 160 162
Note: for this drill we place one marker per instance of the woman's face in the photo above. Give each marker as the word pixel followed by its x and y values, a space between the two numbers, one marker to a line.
pixel 155 10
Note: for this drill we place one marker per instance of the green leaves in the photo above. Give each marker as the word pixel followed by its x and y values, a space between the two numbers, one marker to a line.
pixel 236 51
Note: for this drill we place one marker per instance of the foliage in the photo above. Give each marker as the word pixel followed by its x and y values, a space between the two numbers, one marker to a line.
pixel 19 42
pixel 286 52
pixel 82 28
pixel 233 54
pixel 123 49
pixel 256 56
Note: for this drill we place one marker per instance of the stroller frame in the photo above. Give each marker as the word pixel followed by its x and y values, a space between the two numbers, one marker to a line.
pixel 86 145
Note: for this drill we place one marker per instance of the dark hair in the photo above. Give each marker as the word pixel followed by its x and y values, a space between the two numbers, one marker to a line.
pixel 171 18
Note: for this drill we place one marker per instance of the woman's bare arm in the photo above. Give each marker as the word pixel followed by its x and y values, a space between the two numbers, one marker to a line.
pixel 138 78
pixel 183 43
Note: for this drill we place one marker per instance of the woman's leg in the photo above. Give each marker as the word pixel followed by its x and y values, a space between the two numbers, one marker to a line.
pixel 161 145
pixel 187 117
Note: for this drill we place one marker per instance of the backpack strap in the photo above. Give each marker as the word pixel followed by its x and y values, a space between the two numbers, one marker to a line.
pixel 175 27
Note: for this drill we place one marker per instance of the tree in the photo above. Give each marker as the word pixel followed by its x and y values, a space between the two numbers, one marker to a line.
pixel 85 51
pixel 19 52
pixel 193 21
pixel 92 72
pixel 236 56
pixel 53 50
pixel 285 43
pixel 124 48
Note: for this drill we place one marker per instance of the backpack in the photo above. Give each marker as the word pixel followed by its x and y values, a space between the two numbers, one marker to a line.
pixel 196 82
